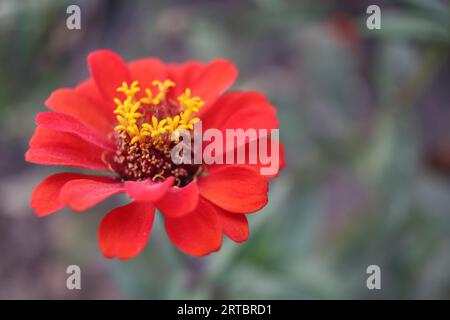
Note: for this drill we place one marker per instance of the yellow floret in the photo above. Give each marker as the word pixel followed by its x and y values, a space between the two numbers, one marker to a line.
pixel 128 116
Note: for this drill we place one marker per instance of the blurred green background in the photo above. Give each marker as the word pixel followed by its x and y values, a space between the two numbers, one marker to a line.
pixel 364 115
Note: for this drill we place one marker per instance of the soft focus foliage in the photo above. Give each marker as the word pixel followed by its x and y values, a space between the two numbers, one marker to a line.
pixel 364 115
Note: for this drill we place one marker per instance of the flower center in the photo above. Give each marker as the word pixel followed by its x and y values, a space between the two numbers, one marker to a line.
pixel 145 130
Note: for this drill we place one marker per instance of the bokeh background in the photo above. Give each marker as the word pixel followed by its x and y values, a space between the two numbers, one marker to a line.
pixel 364 116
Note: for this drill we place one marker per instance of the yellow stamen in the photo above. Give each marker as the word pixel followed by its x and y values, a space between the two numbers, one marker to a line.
pixel 132 122
pixel 163 87
pixel 190 103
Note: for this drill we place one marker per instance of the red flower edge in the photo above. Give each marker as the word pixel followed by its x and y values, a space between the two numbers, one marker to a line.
pixel 77 133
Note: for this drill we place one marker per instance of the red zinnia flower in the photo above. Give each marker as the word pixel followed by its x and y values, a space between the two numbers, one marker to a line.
pixel 118 122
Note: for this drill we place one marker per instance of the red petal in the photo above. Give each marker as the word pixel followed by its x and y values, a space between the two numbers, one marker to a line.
pixel 244 111
pixel 179 201
pixel 145 71
pixel 109 71
pixel 184 76
pixel 258 166
pixel 63 123
pixel 84 193
pixel 215 79
pixel 235 189
pixel 235 226
pixel 88 89
pixel 89 113
pixel 282 156
pixel 45 198
pixel 124 231
pixel 147 191
pixel 65 149
pixel 255 117
pixel 198 233
pixel 224 107
pixel 240 110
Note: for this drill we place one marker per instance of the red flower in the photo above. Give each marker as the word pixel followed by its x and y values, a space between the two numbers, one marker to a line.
pixel 118 121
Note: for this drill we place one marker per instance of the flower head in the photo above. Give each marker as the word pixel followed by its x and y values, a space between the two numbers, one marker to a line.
pixel 125 121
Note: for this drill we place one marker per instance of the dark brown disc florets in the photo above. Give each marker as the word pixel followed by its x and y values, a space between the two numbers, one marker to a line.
pixel 144 160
